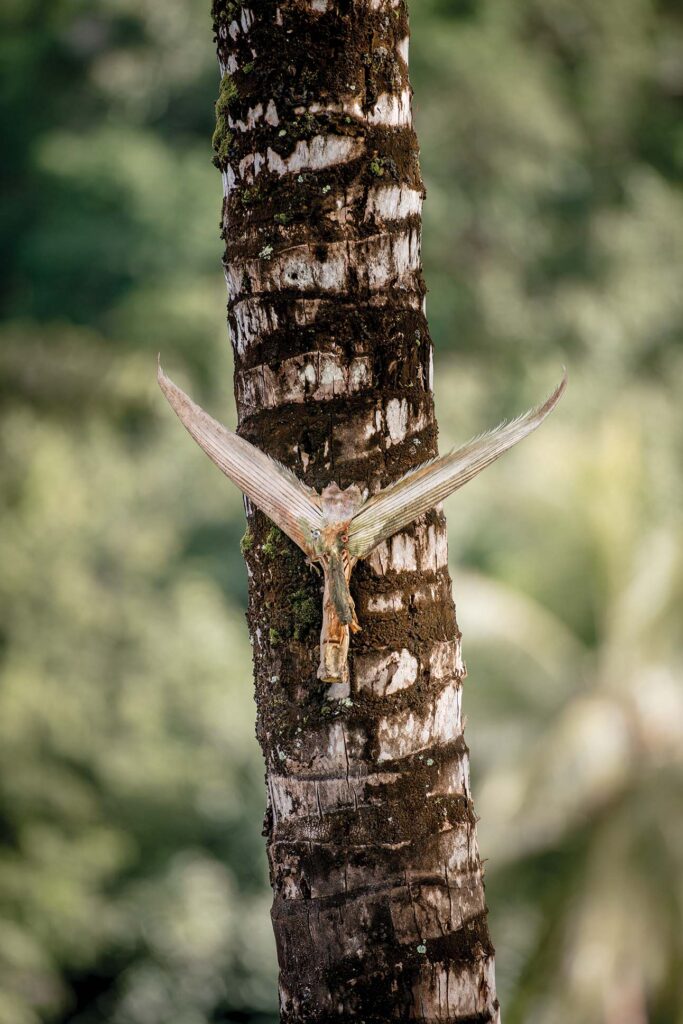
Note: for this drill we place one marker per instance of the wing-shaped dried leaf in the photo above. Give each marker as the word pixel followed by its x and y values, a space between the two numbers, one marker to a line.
pixel 399 504
pixel 291 505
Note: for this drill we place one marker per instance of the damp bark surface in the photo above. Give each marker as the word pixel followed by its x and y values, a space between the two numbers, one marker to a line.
pixel 379 910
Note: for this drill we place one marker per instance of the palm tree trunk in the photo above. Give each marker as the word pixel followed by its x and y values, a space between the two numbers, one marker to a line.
pixel 379 909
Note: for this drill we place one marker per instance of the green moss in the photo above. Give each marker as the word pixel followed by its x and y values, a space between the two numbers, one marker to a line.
pixel 247 543
pixel 250 195
pixel 304 613
pixel 224 13
pixel 274 637
pixel 272 545
pixel 221 144
pixel 282 218
pixel 222 136
pixel 246 69
pixel 303 127
pixel 384 165
pixel 227 95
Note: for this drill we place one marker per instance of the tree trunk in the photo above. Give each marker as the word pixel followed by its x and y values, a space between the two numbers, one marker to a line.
pixel 379 909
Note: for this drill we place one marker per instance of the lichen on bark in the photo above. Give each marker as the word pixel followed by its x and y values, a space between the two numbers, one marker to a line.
pixel 379 910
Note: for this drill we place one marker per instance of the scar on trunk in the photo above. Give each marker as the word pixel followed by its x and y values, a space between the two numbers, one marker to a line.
pixel 335 528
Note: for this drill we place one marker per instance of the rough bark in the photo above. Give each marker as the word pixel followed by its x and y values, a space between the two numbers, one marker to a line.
pixel 379 909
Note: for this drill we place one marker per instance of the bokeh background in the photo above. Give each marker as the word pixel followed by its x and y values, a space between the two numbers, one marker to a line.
pixel 133 882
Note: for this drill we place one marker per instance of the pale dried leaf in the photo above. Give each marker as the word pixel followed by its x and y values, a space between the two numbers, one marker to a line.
pixel 291 505
pixel 415 493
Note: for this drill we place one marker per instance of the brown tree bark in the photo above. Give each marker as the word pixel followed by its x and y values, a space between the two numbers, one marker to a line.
pixel 379 909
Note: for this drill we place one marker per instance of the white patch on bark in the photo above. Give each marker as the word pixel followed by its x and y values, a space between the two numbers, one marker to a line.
pixel 338 691
pixel 445 660
pixel 228 177
pixel 326 751
pixel 315 154
pixel 354 438
pixel 330 750
pixel 376 262
pixel 393 202
pixel 409 732
pixel 454 778
pixel 382 674
pixel 426 595
pixel 253 319
pixel 391 110
pixel 452 992
pixel 386 602
pixel 294 797
pixel 351 108
pixel 397 420
pixel 313 376
pixel 254 115
pixel 404 552
pixel 403 254
pixel 250 166
pixel 271 114
pixel 403 49
pixel 430 550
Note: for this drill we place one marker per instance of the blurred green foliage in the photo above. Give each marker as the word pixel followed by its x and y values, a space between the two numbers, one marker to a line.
pixel 132 875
